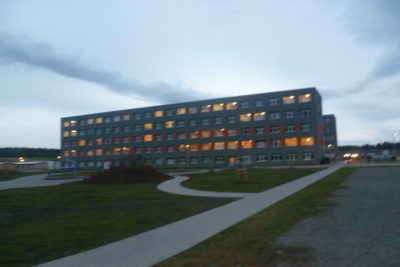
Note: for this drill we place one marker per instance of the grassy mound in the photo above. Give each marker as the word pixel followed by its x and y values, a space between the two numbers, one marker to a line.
pixel 127 174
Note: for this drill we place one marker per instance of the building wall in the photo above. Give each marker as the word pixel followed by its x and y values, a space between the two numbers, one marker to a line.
pixel 283 128
pixel 330 134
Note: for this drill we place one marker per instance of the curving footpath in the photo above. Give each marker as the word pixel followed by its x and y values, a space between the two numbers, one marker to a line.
pixel 33 181
pixel 153 246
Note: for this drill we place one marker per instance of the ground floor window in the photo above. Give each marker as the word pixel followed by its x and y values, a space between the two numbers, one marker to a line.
pixel 308 156
pixel 194 160
pixel 206 160
pixel 291 156
pixel 276 157
pixel 82 164
pixel 261 158
pixel 159 161
pixel 219 159
pixel 170 161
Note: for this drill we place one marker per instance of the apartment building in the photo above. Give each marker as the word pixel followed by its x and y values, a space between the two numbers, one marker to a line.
pixel 277 128
pixel 330 135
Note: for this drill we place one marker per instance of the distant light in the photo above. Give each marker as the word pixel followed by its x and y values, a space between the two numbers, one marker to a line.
pixel 330 145
pixel 307 95
pixel 291 97
pixel 355 155
pixel 58 157
pixel 248 114
pixel 347 155
pixel 21 159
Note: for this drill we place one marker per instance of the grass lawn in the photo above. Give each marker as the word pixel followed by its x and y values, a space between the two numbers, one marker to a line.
pixel 178 170
pixel 42 224
pixel 259 179
pixel 252 241
pixel 15 175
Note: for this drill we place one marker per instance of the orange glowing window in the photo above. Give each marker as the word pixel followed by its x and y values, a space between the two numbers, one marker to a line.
pixel 117 151
pixel 305 98
pixel 219 145
pixel 148 137
pixel 259 116
pixel 181 111
pixel 98 141
pixel 194 134
pixel 247 144
pixel 218 107
pixel 291 141
pixel 158 113
pixel 245 117
pixel 169 124
pixel 73 123
pixel 231 105
pixel 288 99
pixel 125 150
pixel 74 133
pixel 99 120
pixel 90 121
pixel 82 143
pixel 307 141
pixel 148 126
pixel 205 108
pixel 233 145
pixel 99 152
pixel 205 133
pixel 66 124
pixel 206 146
pixel 66 133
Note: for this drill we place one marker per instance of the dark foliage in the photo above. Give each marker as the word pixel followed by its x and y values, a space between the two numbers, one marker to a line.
pixel 6 152
pixel 131 173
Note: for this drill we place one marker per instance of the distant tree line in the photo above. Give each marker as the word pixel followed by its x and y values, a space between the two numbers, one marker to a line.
pixel 12 152
pixel 383 145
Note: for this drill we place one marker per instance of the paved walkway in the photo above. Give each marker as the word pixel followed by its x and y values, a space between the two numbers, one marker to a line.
pixel 151 247
pixel 33 181
pixel 174 187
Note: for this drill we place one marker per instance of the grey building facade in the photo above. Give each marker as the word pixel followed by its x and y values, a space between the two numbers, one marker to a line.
pixel 277 128
pixel 330 135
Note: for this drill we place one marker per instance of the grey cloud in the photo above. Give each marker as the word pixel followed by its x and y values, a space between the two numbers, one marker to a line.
pixel 16 49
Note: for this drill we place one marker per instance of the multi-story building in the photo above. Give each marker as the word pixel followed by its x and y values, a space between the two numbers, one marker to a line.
pixel 275 128
pixel 330 135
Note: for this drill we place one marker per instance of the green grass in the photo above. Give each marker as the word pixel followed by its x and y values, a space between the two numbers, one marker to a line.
pixel 179 170
pixel 259 179
pixel 42 224
pixel 252 242
pixel 15 175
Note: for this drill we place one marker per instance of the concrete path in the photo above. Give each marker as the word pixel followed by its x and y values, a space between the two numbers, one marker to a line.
pixel 174 187
pixel 151 247
pixel 33 181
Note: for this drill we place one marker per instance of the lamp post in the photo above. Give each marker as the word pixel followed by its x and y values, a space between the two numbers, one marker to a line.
pixel 187 147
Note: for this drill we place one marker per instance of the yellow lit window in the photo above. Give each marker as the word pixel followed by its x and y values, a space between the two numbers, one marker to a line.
pixel 148 138
pixel 99 120
pixel 205 108
pixel 291 141
pixel 169 124
pixel 245 117
pixel 99 152
pixel 247 144
pixel 66 133
pixel 218 107
pixel 117 151
pixel 74 133
pixel 82 143
pixel 73 123
pixel 233 145
pixel 66 124
pixel 289 99
pixel 89 153
pixel 206 146
pixel 98 141
pixel 259 116
pixel 231 105
pixel 193 110
pixel 205 133
pixel 304 98
pixel 219 133
pixel 194 134
pixel 125 150
pixel 219 145
pixel 307 141
pixel 181 111
pixel 158 113
pixel 148 126
pixel 73 153
pixel 90 121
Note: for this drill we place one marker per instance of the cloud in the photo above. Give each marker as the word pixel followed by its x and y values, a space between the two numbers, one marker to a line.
pixel 18 49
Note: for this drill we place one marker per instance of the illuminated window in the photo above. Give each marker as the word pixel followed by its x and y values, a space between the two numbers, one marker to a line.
pixel 231 105
pixel 99 152
pixel 194 134
pixel 117 151
pixel 183 147
pixel 205 108
pixel 205 133
pixel 148 126
pixel 247 144
pixel 219 132
pixel 99 120
pixel 66 133
pixel 259 116
pixel 125 150
pixel 66 153
pixel 289 99
pixel 74 153
pixel 98 141
pixel 218 107
pixel 158 113
pixel 169 124
pixel 181 111
pixel 73 123
pixel 304 98
pixel 148 137
pixel 126 117
pixel 245 117
pixel 291 141
pixel 74 133
pixel 193 110
pixel 219 145
pixel 206 146
pixel 307 141
pixel 231 132
pixel 117 118
pixel 82 143
pixel 90 121
pixel 66 124
pixel 233 145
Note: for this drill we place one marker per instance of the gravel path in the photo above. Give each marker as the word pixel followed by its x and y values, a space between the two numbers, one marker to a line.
pixel 362 230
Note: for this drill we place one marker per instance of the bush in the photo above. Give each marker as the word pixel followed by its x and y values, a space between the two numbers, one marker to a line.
pixel 128 173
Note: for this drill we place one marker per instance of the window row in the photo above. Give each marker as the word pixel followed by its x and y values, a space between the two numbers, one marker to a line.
pixel 291 99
